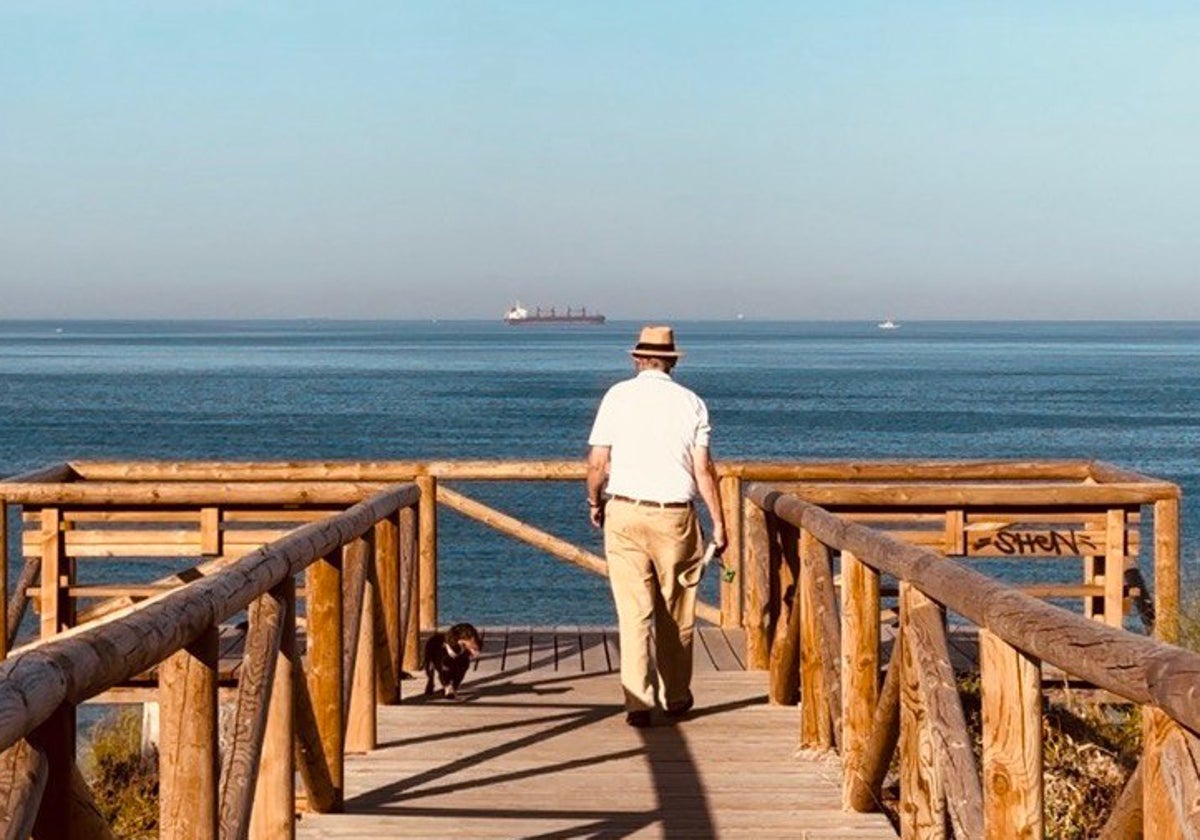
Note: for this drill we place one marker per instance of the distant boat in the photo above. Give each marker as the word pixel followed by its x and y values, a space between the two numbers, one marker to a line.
pixel 518 315
pixel 889 324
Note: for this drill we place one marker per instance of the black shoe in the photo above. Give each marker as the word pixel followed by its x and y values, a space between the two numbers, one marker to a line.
pixel 682 709
pixel 639 719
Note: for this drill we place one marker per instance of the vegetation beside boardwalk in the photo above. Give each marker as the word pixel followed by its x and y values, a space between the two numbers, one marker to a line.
pixel 124 781
pixel 1090 750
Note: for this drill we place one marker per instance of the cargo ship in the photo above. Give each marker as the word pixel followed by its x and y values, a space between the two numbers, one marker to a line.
pixel 520 315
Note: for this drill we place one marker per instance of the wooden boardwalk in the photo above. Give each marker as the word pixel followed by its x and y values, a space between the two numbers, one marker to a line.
pixel 540 749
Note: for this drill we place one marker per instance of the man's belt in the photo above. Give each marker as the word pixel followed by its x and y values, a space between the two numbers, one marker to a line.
pixel 649 503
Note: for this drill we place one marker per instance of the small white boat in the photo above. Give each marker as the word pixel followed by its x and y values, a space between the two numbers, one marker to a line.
pixel 889 324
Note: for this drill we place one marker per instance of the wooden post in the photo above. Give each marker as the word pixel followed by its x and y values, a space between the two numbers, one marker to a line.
pixel 1012 740
pixel 410 590
pixel 361 736
pixel 210 532
pixel 953 760
pixel 86 819
pixel 1114 567
pixel 860 665
pixel 19 602
pixel 956 532
pixel 885 734
pixel 1166 570
pixel 784 679
pixel 1092 605
pixel 54 602
pixel 1170 788
pixel 273 815
pixel 731 591
pixel 1126 818
pixel 816 687
pixel 248 732
pixel 1093 573
pixel 428 551
pixel 311 763
pixel 922 789
pixel 1158 821
pixel 755 566
pixel 325 678
pixel 3 580
pixel 387 573
pixel 24 771
pixel 56 740
pixel 187 765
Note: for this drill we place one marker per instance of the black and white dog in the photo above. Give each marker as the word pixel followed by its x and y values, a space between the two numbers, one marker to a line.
pixel 449 654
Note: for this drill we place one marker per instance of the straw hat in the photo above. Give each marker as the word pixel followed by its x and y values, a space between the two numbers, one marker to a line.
pixel 658 342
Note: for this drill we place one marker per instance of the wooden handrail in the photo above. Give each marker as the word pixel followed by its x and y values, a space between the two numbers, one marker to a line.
pixel 191 492
pixel 967 494
pixel 840 473
pixel 1135 667
pixel 82 662
pixel 894 470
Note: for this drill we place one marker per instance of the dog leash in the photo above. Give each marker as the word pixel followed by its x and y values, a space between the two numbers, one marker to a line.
pixel 692 576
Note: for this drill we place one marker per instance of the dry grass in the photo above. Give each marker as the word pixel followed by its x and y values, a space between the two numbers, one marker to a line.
pixel 1089 751
pixel 124 782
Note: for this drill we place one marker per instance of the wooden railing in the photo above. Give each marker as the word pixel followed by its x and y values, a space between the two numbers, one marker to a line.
pixel 358 567
pixel 1087 513
pixel 827 653
pixel 210 515
pixel 1080 512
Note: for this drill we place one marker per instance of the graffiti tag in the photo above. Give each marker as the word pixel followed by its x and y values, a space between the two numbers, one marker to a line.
pixel 1037 542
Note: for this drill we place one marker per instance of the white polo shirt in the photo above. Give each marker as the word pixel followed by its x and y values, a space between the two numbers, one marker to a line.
pixel 651 423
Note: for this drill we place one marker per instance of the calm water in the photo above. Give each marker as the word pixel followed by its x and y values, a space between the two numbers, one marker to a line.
pixel 1121 392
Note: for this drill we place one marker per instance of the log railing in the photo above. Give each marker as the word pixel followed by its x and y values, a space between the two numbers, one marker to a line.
pixel 784 595
pixel 358 567
pixel 1081 512
pixel 827 654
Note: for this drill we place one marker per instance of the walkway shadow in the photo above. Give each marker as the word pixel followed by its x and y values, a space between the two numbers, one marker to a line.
pixel 554 740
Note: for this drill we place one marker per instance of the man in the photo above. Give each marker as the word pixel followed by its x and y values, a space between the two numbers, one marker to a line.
pixel 650 452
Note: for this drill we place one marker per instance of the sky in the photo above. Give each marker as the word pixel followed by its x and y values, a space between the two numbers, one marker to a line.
pixel 789 160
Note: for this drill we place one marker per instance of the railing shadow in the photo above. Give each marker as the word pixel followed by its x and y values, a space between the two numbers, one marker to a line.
pixel 681 805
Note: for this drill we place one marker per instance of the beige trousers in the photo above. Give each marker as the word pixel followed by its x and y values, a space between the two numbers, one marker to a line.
pixel 647 548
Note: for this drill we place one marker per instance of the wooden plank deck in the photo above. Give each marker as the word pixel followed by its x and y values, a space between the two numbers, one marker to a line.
pixel 540 749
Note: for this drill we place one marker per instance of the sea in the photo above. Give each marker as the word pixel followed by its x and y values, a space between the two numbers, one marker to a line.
pixel 1122 392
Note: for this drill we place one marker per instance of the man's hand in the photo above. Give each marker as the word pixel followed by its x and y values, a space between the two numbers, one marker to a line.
pixel 597 477
pixel 718 537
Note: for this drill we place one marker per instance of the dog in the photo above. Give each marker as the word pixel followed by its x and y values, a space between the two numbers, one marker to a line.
pixel 449 655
